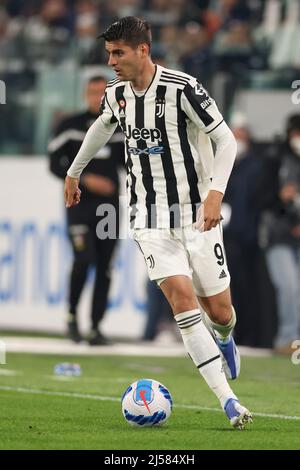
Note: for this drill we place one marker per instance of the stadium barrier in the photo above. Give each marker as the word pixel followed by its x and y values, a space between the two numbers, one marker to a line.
pixel 35 258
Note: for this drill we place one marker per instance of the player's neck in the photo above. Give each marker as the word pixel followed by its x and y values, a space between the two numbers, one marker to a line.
pixel 144 79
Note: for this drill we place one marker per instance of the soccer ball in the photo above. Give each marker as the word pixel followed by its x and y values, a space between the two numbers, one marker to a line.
pixel 146 402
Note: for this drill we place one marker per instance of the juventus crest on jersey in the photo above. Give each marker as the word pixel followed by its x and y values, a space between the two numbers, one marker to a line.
pixel 169 155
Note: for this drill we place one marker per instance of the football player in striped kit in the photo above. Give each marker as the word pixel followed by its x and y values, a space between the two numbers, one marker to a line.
pixel 175 188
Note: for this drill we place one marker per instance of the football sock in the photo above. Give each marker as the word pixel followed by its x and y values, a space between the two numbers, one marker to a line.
pixel 223 330
pixel 204 352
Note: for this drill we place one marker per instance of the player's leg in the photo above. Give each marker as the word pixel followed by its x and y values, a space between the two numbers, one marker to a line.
pixel 168 264
pixel 201 347
pixel 198 342
pixel 211 281
pixel 220 319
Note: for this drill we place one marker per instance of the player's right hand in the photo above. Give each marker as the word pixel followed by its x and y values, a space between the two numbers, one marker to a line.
pixel 212 210
pixel 72 191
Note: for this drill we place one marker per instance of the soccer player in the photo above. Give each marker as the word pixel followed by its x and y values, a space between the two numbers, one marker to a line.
pixel 175 189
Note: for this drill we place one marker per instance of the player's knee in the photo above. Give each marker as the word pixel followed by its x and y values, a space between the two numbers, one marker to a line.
pixel 222 314
pixel 180 294
pixel 180 302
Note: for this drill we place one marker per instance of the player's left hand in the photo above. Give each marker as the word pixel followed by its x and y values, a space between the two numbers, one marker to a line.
pixel 209 212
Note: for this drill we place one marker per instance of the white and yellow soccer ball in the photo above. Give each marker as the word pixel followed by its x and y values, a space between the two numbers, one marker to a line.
pixel 146 402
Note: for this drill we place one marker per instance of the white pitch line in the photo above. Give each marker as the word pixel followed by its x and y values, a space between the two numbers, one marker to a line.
pixel 102 398
pixel 9 372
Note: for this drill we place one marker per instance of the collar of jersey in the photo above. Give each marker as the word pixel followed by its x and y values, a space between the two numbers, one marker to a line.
pixel 150 84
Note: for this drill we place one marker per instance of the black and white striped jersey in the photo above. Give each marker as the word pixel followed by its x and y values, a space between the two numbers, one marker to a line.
pixel 169 157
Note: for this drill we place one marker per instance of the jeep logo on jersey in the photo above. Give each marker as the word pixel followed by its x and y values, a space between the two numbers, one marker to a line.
pixel 145 134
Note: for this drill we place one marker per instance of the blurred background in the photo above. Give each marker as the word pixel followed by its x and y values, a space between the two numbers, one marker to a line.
pixel 247 54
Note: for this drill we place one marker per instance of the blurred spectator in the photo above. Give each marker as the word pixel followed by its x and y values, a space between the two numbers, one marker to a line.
pixel 217 41
pixel 87 24
pixel 116 9
pixel 283 231
pixel 221 12
pixel 241 233
pixel 9 29
pixel 17 122
pixel 196 57
pixel 46 37
pixel 236 39
pixel 100 185
pixel 159 13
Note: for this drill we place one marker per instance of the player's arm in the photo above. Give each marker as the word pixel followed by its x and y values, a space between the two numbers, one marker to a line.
pixel 96 137
pixel 203 111
pixel 223 163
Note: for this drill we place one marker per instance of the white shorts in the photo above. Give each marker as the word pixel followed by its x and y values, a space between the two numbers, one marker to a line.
pixel 186 251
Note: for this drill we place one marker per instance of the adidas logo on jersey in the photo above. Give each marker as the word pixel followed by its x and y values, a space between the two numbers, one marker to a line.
pixel 223 274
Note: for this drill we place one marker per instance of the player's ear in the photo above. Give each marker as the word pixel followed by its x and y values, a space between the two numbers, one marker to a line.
pixel 144 48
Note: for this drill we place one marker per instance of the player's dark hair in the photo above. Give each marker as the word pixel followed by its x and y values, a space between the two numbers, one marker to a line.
pixel 131 30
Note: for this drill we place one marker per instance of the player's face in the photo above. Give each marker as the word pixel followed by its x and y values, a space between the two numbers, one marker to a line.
pixel 125 60
pixel 94 93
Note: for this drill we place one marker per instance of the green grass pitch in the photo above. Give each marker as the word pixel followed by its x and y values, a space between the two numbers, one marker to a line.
pixel 42 411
